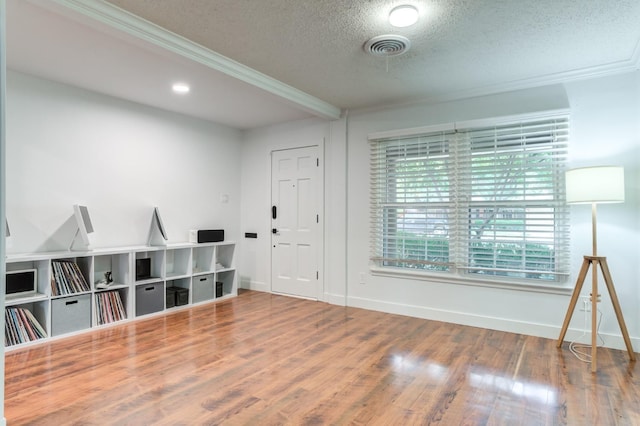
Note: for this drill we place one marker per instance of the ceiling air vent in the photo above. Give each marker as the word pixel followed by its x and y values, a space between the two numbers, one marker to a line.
pixel 387 45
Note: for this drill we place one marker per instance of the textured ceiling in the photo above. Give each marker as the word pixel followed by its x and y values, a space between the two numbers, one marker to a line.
pixel 459 47
pixel 60 45
pixel 254 63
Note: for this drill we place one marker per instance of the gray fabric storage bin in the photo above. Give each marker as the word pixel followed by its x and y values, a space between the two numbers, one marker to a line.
pixel 203 288
pixel 149 298
pixel 70 314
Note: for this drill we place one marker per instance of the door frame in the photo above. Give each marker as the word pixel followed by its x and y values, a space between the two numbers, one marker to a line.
pixel 321 211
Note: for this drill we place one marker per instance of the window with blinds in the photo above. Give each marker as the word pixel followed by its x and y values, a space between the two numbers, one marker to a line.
pixel 478 201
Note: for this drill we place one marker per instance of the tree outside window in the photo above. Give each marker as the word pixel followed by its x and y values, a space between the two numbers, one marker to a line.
pixel 485 201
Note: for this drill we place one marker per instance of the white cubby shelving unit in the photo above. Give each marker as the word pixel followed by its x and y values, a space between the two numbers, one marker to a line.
pixel 178 276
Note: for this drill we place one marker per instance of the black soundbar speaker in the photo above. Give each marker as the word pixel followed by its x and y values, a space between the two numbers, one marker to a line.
pixel 210 235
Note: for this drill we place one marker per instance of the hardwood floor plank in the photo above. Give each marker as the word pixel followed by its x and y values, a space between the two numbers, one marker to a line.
pixel 273 360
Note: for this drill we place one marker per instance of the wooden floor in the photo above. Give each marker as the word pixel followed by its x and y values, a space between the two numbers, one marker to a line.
pixel 267 360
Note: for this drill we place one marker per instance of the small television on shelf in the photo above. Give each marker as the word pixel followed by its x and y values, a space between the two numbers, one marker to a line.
pixel 22 283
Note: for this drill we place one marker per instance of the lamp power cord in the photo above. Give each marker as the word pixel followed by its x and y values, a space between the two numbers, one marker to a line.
pixel 579 350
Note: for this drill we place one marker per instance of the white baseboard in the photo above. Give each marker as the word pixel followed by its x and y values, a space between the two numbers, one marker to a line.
pixel 256 285
pixel 492 323
pixel 335 299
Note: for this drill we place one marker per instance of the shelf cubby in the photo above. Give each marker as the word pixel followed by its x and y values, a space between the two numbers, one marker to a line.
pixel 157 258
pixel 227 278
pixel 119 264
pixel 178 262
pixel 224 256
pixel 20 327
pixel 70 313
pixel 43 281
pixel 149 298
pixel 203 288
pixel 70 275
pixel 182 288
pixel 203 259
pixel 111 306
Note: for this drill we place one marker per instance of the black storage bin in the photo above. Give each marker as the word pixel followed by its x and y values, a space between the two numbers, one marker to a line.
pixel 182 296
pixel 171 297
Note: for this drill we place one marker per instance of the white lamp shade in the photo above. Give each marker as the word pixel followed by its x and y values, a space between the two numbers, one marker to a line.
pixel 602 184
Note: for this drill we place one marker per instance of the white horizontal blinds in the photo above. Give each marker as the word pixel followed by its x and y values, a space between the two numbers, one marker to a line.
pixel 485 200
pixel 411 201
pixel 511 179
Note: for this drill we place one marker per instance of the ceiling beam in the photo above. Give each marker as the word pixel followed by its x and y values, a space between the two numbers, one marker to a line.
pixel 117 18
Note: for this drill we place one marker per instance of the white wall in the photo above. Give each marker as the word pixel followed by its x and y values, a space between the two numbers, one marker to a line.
pixel 606 130
pixel 336 197
pixel 69 146
pixel 604 117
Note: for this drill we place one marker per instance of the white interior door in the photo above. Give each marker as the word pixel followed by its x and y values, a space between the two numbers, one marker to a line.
pixel 295 219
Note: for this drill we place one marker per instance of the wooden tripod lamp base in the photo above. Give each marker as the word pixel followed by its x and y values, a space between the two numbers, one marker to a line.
pixel 587 262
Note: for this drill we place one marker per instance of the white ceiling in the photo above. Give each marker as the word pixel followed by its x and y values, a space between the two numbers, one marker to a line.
pixel 259 62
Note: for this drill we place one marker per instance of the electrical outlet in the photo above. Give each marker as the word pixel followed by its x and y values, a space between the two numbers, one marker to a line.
pixel 362 277
pixel 586 304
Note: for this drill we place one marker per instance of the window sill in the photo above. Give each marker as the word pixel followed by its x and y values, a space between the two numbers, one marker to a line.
pixel 564 288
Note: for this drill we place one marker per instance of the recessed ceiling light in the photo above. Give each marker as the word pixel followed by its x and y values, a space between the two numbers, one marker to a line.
pixel 181 88
pixel 403 16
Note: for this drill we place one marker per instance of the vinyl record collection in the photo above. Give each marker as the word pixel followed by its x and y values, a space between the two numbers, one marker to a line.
pixel 67 278
pixel 109 307
pixel 21 326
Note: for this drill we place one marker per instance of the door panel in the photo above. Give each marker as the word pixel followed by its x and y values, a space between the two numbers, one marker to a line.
pixel 294 268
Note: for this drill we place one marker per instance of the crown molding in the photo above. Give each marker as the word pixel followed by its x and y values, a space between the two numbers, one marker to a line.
pixel 614 68
pixel 117 18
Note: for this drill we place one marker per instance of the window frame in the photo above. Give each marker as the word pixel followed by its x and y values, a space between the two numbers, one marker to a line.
pixel 458 273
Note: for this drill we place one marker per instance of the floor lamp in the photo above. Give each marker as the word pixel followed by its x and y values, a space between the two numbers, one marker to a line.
pixel 595 185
